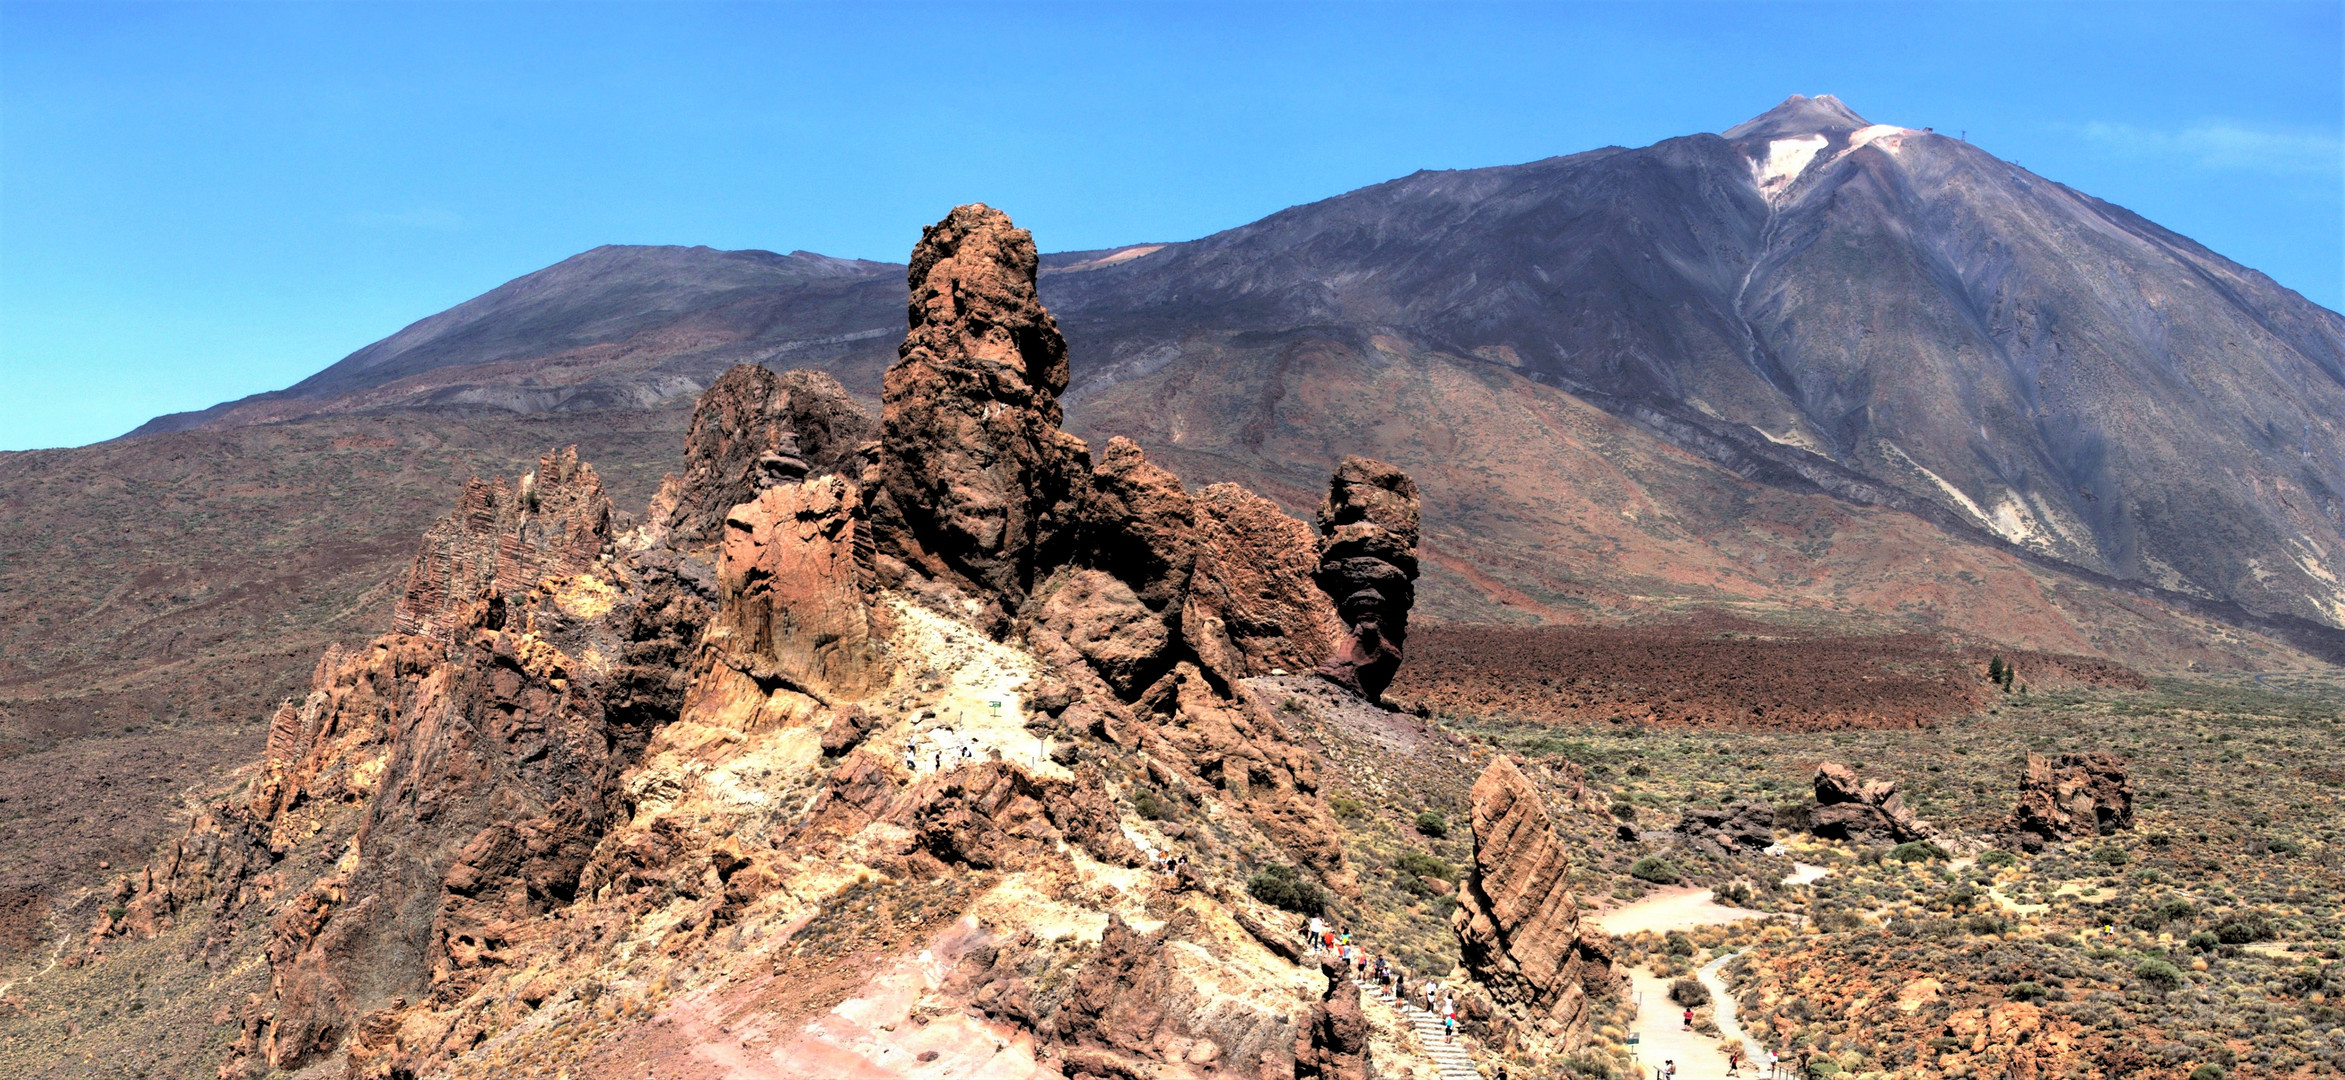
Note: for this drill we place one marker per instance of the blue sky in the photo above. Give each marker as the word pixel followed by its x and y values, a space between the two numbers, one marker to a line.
pixel 199 202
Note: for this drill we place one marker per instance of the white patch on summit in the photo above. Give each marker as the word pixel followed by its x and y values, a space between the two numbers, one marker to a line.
pixel 1786 159
pixel 1890 136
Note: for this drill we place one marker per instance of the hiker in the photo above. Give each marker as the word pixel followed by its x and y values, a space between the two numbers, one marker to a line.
pixel 1774 1065
pixel 1449 1005
pixel 1311 932
pixel 1431 988
pixel 911 758
pixel 1733 1060
pixel 1689 1019
pixel 1449 1028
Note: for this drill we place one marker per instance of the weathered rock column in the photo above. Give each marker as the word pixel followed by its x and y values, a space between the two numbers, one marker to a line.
pixel 1368 566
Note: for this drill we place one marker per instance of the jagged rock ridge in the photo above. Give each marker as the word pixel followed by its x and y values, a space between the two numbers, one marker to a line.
pixel 587 750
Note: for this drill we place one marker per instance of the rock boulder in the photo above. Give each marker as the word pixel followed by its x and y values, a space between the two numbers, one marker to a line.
pixel 2069 796
pixel 1734 829
pixel 1849 809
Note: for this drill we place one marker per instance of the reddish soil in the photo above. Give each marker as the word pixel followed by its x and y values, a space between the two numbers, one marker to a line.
pixel 1716 672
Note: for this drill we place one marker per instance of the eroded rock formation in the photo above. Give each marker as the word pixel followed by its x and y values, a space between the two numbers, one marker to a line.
pixel 1252 607
pixel 2072 795
pixel 1849 809
pixel 1333 1043
pixel 1368 564
pixel 795 573
pixel 1518 927
pixel 977 486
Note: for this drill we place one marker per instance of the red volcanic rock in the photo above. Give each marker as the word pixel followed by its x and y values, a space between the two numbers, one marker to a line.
pixel 1847 809
pixel 1368 565
pixel 1108 624
pixel 792 575
pixel 2069 796
pixel 752 429
pixel 976 485
pixel 1518 927
pixel 1333 1042
pixel 1140 525
pixel 1252 605
pixel 503 538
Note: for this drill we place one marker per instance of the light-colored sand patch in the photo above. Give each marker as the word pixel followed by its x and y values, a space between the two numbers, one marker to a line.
pixel 1805 874
pixel 979 704
pixel 1671 909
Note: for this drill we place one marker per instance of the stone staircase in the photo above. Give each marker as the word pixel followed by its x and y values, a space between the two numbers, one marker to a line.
pixel 1450 1059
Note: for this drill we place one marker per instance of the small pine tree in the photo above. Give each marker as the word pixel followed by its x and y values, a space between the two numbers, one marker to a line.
pixel 1995 670
pixel 2010 675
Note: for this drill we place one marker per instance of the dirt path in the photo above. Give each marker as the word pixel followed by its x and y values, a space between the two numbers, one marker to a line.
pixel 1660 1024
pixel 1722 1012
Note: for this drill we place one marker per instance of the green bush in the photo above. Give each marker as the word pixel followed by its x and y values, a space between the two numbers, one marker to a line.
pixel 1624 811
pixel 1151 807
pixel 1982 925
pixel 1689 993
pixel 1997 857
pixel 1914 851
pixel 1346 808
pixel 2204 941
pixel 2112 856
pixel 2243 928
pixel 1283 886
pixel 2177 908
pixel 1677 944
pixel 1419 864
pixel 2209 1071
pixel 1432 824
pixel 2027 991
pixel 2158 973
pixel 1655 869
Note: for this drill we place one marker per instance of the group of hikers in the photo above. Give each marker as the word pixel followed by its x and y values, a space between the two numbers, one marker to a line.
pixel 1385 975
pixel 1667 1070
pixel 949 749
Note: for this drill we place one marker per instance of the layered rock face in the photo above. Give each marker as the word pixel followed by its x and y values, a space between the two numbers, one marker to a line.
pixel 976 485
pixel 795 570
pixel 1368 564
pixel 1253 607
pixel 1847 809
pixel 1518 926
pixel 503 538
pixel 2069 796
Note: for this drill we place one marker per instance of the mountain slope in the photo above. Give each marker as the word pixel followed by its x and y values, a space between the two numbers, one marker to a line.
pixel 1885 314
pixel 1841 298
pixel 618 326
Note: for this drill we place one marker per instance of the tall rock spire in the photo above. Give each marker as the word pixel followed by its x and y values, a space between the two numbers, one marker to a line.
pixel 977 484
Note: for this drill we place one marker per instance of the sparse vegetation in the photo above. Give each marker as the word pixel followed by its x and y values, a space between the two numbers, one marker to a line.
pixel 1283 886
